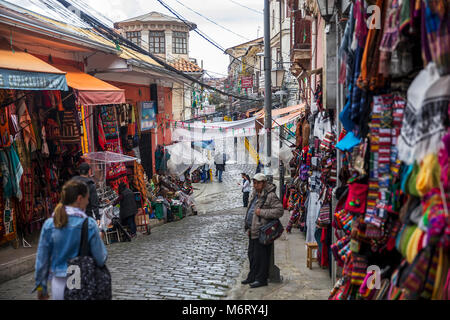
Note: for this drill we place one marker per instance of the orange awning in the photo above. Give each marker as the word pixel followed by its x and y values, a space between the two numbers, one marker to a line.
pixel 23 61
pixel 250 111
pixel 286 119
pixel 277 112
pixel 23 71
pixel 91 90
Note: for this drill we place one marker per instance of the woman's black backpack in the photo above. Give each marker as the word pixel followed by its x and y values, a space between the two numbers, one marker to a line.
pixel 86 280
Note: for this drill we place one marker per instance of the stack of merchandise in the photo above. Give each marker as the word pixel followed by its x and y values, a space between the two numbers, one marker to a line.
pixel 313 169
pixel 392 218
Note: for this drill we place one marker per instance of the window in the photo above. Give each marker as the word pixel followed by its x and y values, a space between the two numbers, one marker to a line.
pixel 134 37
pixel 179 43
pixel 157 42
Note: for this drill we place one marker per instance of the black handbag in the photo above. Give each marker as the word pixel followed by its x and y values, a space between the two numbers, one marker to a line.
pixel 271 231
pixel 94 282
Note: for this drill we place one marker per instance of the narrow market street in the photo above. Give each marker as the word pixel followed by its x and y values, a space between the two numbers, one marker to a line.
pixel 199 257
pixel 216 150
pixel 194 258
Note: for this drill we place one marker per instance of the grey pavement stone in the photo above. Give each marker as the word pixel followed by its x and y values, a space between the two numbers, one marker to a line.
pixel 181 260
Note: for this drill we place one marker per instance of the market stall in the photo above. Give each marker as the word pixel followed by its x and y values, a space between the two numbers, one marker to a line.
pixel 99 163
pixel 31 148
pixel 308 196
pixel 391 219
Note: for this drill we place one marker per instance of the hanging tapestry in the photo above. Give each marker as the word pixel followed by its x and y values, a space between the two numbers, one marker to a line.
pixel 117 172
pixel 70 131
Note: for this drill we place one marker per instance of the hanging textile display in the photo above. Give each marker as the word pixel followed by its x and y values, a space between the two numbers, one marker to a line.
pixel 395 155
pixel 70 132
pixel 116 172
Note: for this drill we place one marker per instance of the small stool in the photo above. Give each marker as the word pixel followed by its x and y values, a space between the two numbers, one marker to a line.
pixel 309 257
pixel 112 231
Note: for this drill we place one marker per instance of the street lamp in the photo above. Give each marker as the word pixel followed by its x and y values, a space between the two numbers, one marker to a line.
pixel 326 8
pixel 277 76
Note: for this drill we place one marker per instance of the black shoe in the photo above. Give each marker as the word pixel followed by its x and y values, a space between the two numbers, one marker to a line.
pixel 257 284
pixel 247 281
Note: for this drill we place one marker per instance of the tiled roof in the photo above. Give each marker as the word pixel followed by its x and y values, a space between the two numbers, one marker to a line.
pixel 156 17
pixel 185 65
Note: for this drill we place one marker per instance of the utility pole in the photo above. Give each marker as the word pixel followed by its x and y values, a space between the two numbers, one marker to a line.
pixel 274 271
pixel 268 87
pixel 280 65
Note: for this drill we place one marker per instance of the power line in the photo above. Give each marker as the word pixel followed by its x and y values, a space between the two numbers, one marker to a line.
pixel 197 30
pixel 116 38
pixel 241 5
pixel 201 15
pixel 202 34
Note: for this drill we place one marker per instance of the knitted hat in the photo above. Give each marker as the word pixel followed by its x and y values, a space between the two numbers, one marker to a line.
pixel 411 182
pixel 429 174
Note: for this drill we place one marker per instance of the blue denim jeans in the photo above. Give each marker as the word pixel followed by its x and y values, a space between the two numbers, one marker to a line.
pixel 220 175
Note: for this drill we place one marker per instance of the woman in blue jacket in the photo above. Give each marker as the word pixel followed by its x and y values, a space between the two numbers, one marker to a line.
pixel 60 239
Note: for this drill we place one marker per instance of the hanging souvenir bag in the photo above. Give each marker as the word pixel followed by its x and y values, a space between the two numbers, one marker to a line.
pixel 95 281
pixel 357 198
pixel 324 218
pixel 360 155
pixel 328 142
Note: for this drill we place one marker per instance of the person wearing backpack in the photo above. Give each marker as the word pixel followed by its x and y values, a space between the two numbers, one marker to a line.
pixel 263 207
pixel 61 237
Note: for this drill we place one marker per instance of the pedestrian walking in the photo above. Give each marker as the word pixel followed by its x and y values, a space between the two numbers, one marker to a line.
pixel 128 208
pixel 264 206
pixel 220 166
pixel 60 240
pixel 245 188
pixel 85 176
pixel 206 175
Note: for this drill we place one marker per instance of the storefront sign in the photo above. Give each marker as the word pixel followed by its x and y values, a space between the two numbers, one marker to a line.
pixel 22 80
pixel 148 115
pixel 247 82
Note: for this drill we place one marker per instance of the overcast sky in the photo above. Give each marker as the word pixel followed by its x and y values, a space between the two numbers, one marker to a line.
pixel 226 13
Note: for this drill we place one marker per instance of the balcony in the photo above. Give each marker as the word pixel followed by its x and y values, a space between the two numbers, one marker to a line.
pixel 301 45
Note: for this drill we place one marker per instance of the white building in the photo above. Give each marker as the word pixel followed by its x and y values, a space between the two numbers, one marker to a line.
pixel 168 38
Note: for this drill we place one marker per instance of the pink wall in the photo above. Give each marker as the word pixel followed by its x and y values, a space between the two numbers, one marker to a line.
pixel 320 43
pixel 320 51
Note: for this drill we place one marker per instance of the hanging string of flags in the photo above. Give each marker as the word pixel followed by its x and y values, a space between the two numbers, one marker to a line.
pixel 198 131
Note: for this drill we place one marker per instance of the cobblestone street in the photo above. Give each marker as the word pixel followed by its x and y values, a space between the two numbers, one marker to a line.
pixel 198 257
pixel 215 196
pixel 194 258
